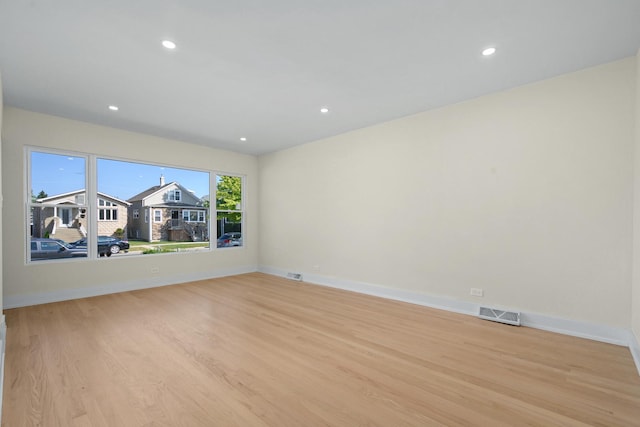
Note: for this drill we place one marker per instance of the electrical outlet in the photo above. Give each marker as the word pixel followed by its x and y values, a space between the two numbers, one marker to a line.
pixel 155 269
pixel 477 292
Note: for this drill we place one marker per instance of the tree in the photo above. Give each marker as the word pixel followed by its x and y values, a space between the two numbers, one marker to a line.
pixel 229 198
pixel 41 195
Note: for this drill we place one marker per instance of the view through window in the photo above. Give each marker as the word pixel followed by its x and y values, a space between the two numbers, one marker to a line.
pixel 229 211
pixel 139 208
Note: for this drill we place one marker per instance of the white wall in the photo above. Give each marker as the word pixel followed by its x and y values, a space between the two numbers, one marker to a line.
pixel 28 284
pixel 1 209
pixel 527 194
pixel 635 299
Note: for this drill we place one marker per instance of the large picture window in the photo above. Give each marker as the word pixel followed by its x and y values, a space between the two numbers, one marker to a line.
pixel 229 211
pixel 126 208
pixel 56 209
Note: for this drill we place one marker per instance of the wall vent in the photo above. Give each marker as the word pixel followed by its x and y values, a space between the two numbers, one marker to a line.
pixel 508 317
pixel 294 276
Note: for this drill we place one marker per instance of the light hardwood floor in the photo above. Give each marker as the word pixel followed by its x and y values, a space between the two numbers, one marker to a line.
pixel 257 350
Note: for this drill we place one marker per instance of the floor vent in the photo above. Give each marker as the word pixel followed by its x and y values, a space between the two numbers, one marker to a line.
pixel 508 317
pixel 294 276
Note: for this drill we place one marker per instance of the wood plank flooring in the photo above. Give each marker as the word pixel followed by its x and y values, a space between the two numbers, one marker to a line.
pixel 257 350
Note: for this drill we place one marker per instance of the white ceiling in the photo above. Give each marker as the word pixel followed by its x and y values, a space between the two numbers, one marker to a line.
pixel 261 69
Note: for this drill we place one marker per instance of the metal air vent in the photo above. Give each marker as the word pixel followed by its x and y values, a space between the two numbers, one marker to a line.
pixel 508 317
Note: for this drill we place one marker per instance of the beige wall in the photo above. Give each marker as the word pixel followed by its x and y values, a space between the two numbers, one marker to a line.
pixel 26 128
pixel 1 202
pixel 527 194
pixel 635 299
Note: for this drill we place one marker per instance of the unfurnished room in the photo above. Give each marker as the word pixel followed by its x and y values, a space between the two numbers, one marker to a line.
pixel 336 213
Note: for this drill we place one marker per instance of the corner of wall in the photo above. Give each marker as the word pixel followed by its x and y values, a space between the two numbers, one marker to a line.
pixel 635 285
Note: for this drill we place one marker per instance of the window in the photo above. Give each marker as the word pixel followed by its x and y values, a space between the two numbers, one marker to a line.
pixel 193 216
pixel 229 211
pixel 58 201
pixel 107 211
pixel 150 190
pixel 56 198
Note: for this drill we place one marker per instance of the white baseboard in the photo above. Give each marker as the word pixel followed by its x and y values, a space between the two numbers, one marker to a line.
pixel 448 304
pixel 149 282
pixel 592 331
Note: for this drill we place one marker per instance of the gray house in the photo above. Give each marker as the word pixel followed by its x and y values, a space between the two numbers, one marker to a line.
pixel 167 212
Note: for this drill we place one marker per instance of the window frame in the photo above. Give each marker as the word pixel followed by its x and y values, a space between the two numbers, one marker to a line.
pixel 107 210
pixel 241 211
pixel 174 195
pixel 85 209
pixel 91 206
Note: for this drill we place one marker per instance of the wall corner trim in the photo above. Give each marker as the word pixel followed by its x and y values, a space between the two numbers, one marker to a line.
pixel 634 347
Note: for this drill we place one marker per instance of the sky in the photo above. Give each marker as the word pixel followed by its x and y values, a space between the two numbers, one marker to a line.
pixel 58 174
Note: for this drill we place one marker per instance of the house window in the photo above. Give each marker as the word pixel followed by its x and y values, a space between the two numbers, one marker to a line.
pixel 146 216
pixel 107 210
pixel 229 210
pixel 157 215
pixel 136 214
pixel 193 216
pixel 175 195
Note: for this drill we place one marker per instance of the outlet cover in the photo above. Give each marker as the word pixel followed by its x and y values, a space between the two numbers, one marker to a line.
pixel 477 292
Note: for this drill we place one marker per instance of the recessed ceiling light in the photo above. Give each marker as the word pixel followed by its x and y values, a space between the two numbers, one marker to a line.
pixel 243 139
pixel 113 107
pixel 324 110
pixel 489 51
pixel 168 44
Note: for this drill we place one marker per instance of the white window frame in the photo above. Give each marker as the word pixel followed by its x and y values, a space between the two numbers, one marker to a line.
pixel 107 211
pixel 89 210
pixel 200 215
pixel 239 209
pixel 84 209
pixel 136 214
pixel 175 196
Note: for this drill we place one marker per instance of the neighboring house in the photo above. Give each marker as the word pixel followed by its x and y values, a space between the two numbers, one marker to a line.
pixel 167 212
pixel 61 218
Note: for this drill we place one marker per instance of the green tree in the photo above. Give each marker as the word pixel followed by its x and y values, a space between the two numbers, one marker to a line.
pixel 41 195
pixel 229 198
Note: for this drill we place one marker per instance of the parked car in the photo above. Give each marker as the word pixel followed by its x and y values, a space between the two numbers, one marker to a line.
pixel 106 245
pixel 42 248
pixel 230 239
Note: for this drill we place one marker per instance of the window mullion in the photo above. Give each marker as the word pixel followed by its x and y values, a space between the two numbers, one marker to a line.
pixel 92 202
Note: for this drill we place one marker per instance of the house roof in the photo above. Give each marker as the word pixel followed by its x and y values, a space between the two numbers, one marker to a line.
pixel 71 193
pixel 151 191
pixel 148 192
